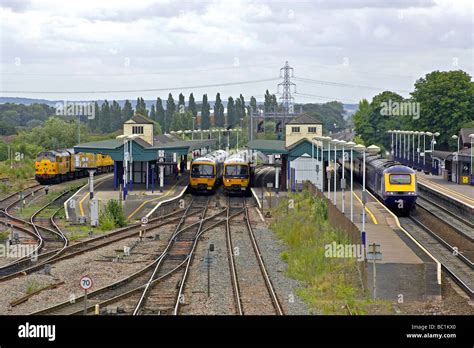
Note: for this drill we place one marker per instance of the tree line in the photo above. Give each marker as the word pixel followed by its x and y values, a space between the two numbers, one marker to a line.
pixel 442 101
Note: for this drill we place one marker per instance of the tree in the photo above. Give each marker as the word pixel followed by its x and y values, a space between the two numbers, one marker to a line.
pixel 219 119
pixel 231 113
pixel 446 103
pixel 105 118
pixel 181 103
pixel 160 113
pixel 153 112
pixel 182 121
pixel 116 116
pixel 192 105
pixel 253 104
pixel 170 110
pixel 141 107
pixel 127 111
pixel 205 113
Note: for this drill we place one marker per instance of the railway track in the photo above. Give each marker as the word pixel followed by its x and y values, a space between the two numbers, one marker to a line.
pixel 456 265
pixel 134 285
pixel 51 241
pixel 244 298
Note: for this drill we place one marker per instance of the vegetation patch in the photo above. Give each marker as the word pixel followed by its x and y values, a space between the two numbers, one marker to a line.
pixel 112 216
pixel 331 284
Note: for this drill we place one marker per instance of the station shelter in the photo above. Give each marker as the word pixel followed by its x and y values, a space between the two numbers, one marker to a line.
pixel 141 157
pixel 300 157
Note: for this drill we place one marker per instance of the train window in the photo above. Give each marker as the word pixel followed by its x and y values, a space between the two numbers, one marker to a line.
pixel 202 170
pixel 46 156
pixel 401 179
pixel 236 170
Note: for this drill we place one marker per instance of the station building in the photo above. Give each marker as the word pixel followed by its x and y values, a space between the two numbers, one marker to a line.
pixel 458 165
pixel 299 157
pixel 143 158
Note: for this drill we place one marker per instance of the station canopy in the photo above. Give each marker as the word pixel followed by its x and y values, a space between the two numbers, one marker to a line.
pixel 141 150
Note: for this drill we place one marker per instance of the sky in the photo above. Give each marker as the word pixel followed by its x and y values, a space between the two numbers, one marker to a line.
pixel 339 50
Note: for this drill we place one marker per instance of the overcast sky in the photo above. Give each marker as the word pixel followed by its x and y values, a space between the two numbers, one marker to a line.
pixel 91 45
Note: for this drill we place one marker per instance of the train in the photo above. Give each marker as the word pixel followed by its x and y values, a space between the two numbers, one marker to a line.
pixel 237 174
pixel 206 171
pixel 391 182
pixel 56 166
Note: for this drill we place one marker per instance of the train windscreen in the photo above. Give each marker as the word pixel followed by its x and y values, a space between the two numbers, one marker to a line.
pixel 400 179
pixel 46 156
pixel 237 171
pixel 202 170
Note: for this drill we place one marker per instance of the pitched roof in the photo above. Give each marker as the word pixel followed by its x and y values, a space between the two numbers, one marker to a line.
pixel 268 146
pixel 140 120
pixel 165 138
pixel 305 119
pixel 464 134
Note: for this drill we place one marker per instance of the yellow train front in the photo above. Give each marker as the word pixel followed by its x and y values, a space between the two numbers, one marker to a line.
pixel 56 166
pixel 206 171
pixel 237 173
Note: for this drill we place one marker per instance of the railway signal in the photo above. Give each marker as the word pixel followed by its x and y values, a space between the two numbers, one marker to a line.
pixel 374 254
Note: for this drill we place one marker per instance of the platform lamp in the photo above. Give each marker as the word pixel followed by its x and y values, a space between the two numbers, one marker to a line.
pixel 335 142
pixel 351 145
pixel 125 163
pixel 391 132
pixel 429 134
pixel 343 179
pixel 361 148
pixel 418 149
pixel 471 136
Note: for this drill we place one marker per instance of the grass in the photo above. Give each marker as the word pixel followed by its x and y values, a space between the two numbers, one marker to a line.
pixel 329 284
pixel 4 236
pixel 32 286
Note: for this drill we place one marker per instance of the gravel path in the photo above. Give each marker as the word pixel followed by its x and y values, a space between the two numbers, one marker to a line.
pixel 271 248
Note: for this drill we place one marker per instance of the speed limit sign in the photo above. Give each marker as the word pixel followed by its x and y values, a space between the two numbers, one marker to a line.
pixel 86 282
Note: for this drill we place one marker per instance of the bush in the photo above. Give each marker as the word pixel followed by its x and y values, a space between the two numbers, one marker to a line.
pixel 112 216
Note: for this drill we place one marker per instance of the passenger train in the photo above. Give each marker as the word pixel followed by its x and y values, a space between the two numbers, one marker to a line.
pixel 390 181
pixel 237 173
pixel 206 171
pixel 55 166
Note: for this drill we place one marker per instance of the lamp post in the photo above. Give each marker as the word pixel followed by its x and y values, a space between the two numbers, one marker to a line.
pixel 335 142
pixel 424 149
pixel 471 136
pixel 351 145
pixel 328 169
pixel 455 178
pixel 418 149
pixel 361 148
pixel 391 151
pixel 408 147
pixel 125 163
pixel 343 180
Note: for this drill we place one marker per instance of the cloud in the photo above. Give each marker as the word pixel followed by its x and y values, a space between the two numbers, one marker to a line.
pixel 383 43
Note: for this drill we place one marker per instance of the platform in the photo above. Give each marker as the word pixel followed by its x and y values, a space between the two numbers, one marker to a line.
pixel 139 201
pixel 406 267
pixel 462 193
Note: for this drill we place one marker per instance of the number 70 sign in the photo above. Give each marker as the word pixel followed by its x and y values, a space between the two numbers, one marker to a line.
pixel 86 282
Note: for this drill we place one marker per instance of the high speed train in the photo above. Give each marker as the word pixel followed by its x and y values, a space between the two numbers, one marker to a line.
pixel 237 173
pixel 206 171
pixel 390 181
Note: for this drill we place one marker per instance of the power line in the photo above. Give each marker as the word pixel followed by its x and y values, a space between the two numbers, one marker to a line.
pixel 306 95
pixel 340 84
pixel 163 72
pixel 145 90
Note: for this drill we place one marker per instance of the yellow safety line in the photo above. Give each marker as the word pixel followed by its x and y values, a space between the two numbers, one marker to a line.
pixel 151 200
pixel 446 189
pixel 367 209
pixel 85 196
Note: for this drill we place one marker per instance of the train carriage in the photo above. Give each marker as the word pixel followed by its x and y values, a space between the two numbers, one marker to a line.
pixel 391 182
pixel 237 173
pixel 206 171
